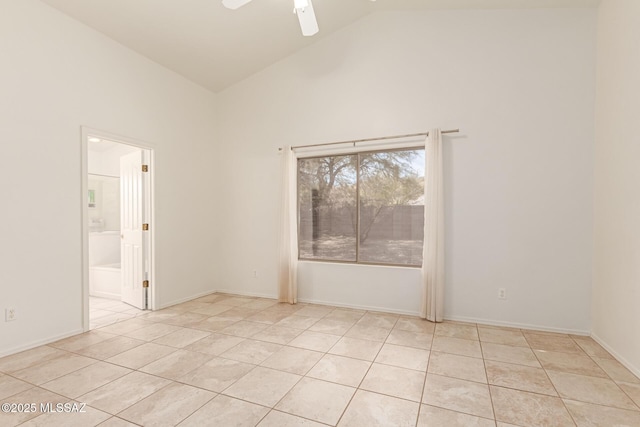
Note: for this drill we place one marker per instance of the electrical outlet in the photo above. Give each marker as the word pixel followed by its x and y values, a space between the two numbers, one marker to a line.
pixel 502 293
pixel 9 314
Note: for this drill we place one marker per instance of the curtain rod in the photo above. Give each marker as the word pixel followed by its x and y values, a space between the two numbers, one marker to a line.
pixel 380 138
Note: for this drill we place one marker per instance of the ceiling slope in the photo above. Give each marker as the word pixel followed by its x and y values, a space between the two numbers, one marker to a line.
pixel 217 47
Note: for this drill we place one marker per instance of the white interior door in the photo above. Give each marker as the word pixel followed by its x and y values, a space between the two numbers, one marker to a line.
pixel 133 244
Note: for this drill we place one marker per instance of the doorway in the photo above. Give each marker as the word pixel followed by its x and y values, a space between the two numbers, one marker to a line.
pixel 117 255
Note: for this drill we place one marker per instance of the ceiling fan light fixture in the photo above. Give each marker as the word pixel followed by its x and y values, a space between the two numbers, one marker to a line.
pixel 234 4
pixel 302 8
pixel 307 17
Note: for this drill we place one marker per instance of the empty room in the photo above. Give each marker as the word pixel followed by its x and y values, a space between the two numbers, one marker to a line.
pixel 319 213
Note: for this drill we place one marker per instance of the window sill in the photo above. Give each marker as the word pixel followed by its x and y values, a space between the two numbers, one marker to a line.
pixel 358 264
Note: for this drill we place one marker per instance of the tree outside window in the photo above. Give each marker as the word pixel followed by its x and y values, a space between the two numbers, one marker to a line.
pixel 362 208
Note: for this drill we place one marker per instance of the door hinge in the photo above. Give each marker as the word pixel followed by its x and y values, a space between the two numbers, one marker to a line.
pixel 145 168
pixel 145 283
pixel 145 227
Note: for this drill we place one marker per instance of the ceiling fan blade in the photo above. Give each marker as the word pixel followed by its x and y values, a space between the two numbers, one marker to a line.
pixel 307 18
pixel 234 4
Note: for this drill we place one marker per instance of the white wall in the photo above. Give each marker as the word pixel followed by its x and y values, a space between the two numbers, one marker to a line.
pixel 57 75
pixel 520 84
pixel 616 287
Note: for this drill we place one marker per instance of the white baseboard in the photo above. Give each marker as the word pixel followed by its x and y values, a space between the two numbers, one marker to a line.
pixel 634 369
pixel 312 301
pixel 211 292
pixel 489 322
pixel 38 343
pixel 181 300
pixel 417 314
pixel 106 295
pixel 359 307
pixel 246 294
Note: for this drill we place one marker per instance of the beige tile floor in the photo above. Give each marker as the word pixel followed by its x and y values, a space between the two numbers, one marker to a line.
pixel 103 312
pixel 224 360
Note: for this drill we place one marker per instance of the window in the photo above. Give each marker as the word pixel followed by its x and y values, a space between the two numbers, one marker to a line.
pixel 362 208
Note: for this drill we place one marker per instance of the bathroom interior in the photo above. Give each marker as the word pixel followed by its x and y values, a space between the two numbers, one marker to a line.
pixel 103 198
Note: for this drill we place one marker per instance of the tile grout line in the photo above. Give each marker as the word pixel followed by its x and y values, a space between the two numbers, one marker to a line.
pixel 368 369
pixel 608 376
pixel 486 374
pixel 324 353
pixel 564 405
pixel 301 376
pixel 426 372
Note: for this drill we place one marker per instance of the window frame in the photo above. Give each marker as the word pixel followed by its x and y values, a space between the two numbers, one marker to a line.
pixel 357 154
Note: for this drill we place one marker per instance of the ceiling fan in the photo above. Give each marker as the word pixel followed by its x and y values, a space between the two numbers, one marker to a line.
pixel 302 8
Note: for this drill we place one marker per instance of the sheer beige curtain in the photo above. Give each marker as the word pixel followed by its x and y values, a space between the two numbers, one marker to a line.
pixel 433 249
pixel 288 253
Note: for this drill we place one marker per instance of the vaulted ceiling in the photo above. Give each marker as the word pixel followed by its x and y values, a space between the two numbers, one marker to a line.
pixel 217 47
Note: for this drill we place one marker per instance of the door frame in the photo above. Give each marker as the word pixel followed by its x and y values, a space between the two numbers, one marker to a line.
pixel 87 132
